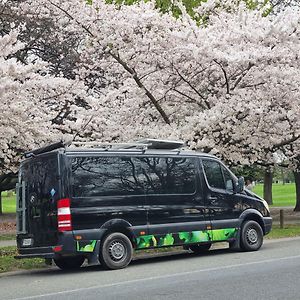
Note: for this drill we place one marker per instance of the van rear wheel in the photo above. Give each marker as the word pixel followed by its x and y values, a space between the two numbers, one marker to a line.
pixel 251 236
pixel 115 251
pixel 200 248
pixel 70 262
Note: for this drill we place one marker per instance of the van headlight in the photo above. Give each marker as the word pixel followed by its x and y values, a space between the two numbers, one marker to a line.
pixel 266 205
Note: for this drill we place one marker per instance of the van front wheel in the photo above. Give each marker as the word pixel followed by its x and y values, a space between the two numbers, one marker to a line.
pixel 116 251
pixel 69 263
pixel 251 236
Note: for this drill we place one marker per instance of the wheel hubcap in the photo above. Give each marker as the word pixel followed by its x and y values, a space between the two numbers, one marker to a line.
pixel 116 250
pixel 252 236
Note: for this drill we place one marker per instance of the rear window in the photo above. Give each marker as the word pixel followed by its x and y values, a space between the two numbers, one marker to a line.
pixel 111 176
pixel 40 175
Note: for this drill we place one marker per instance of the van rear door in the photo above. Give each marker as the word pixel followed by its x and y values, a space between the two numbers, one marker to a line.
pixel 38 192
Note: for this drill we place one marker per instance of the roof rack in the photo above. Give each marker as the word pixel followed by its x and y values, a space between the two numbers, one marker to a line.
pixel 108 146
pixel 141 145
pixel 45 149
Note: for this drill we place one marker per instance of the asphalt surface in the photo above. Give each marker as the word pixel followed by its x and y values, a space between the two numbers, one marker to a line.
pixel 270 273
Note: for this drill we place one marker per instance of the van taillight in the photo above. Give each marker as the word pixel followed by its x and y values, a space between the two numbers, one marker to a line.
pixel 64 215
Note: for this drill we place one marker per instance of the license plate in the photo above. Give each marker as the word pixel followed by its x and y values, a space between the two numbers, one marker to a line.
pixel 27 242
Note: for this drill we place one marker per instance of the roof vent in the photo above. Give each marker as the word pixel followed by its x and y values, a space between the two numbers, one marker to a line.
pixel 162 144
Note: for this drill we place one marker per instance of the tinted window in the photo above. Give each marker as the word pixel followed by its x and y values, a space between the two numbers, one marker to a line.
pixel 106 176
pixel 41 177
pixel 228 179
pixel 109 176
pixel 214 174
pixel 167 175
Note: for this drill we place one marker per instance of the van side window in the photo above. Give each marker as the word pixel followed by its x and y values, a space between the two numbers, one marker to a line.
pixel 168 175
pixel 228 179
pixel 213 174
pixel 217 175
pixel 106 176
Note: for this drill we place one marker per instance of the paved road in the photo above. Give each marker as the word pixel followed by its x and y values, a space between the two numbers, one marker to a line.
pixel 271 273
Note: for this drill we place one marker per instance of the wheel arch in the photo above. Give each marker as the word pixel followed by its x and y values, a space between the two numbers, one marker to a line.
pixel 253 215
pixel 119 225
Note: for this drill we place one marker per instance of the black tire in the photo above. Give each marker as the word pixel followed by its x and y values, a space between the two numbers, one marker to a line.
pixel 115 251
pixel 70 262
pixel 200 248
pixel 251 236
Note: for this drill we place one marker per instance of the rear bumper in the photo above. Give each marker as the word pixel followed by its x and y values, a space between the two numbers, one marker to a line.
pixel 66 242
pixel 36 253
pixel 268 224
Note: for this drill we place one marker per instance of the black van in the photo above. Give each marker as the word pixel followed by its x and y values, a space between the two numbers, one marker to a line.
pixel 101 203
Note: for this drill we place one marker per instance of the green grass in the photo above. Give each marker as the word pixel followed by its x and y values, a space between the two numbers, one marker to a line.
pixel 9 263
pixel 287 231
pixel 8 203
pixel 283 195
pixel 7 237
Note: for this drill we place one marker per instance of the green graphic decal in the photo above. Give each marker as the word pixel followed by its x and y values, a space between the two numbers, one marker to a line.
pixel 167 240
pixel 185 237
pixel 86 246
pixel 194 236
pixel 223 234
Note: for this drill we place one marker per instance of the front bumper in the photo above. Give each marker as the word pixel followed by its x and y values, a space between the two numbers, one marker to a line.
pixel 268 224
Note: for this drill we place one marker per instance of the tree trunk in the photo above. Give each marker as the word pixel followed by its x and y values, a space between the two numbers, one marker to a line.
pixel 1 203
pixel 297 183
pixel 282 176
pixel 268 179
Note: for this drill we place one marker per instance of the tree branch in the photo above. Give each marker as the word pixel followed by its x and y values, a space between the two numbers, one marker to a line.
pixel 225 76
pixel 244 73
pixel 193 88
pixel 192 100
pixel 140 85
pixel 126 67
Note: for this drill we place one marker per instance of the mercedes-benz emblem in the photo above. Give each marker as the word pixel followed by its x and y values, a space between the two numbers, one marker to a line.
pixel 32 199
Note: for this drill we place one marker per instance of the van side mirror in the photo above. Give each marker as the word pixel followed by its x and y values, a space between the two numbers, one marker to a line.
pixel 240 185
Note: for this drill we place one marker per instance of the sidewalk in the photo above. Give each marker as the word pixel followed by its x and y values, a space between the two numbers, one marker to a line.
pixel 8 243
pixel 290 216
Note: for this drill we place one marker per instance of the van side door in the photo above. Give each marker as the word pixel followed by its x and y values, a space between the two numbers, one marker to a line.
pixel 176 209
pixel 222 203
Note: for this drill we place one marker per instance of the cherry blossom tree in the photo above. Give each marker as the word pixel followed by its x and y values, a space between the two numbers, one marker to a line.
pixel 229 87
pixel 36 107
pixel 31 102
